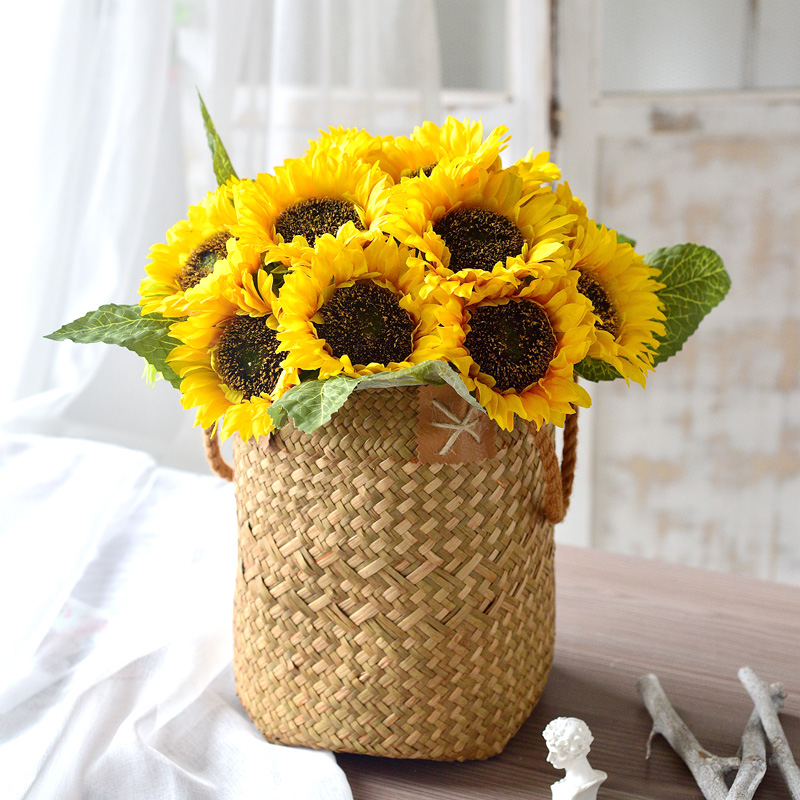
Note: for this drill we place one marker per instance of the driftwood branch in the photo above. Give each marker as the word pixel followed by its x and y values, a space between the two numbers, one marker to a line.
pixel 753 756
pixel 760 693
pixel 708 769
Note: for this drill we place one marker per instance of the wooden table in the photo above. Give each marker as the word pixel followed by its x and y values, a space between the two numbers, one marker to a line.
pixel 618 618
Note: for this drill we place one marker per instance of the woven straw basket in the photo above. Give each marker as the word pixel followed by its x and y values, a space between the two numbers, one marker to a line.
pixel 389 606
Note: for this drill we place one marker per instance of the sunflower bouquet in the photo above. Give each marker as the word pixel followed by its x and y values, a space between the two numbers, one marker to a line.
pixel 396 597
pixel 381 261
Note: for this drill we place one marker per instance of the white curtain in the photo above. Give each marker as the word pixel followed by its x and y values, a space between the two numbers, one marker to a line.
pixel 122 154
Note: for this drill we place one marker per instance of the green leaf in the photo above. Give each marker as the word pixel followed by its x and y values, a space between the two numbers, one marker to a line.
pixel 312 403
pixel 695 281
pixel 147 336
pixel 150 374
pixel 223 169
pixel 623 239
pixel 593 370
pixel 433 373
pixel 279 271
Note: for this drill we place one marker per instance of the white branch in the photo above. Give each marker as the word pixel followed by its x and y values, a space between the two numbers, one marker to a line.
pixel 708 769
pixel 781 752
pixel 753 756
pixel 753 751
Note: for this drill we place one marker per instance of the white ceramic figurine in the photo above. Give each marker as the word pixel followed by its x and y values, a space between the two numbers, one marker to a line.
pixel 568 740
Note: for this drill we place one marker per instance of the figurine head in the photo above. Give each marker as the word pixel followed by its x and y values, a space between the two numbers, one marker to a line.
pixel 567 739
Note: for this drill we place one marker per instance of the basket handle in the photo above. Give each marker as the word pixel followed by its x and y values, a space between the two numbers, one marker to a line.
pixel 558 479
pixel 213 455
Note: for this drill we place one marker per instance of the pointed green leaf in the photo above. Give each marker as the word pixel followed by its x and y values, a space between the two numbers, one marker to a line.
pixel 312 403
pixel 147 336
pixel 150 374
pixel 695 281
pixel 433 373
pixel 223 169
pixel 277 411
pixel 594 370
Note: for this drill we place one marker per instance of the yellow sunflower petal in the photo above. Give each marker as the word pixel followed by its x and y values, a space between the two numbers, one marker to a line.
pixel 429 144
pixel 624 292
pixel 353 144
pixel 355 309
pixel 192 251
pixel 458 220
pixel 537 171
pixel 228 360
pixel 306 198
pixel 517 357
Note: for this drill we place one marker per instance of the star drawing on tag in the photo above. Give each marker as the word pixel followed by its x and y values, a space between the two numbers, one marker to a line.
pixel 457 425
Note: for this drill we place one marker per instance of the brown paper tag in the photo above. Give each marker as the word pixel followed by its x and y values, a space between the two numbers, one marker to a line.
pixel 450 430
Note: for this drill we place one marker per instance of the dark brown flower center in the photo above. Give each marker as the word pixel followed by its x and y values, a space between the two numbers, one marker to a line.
pixel 478 238
pixel 604 307
pixel 513 343
pixel 314 217
pixel 416 172
pixel 246 357
pixel 202 259
pixel 366 323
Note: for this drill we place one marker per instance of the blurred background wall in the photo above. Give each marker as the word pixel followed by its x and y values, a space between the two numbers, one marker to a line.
pixel 680 121
pixel 675 120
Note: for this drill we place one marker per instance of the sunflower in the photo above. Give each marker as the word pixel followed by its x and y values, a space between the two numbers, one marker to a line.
pixel 243 268
pixel 237 282
pixel 429 144
pixel 459 220
pixel 576 208
pixel 623 291
pixel 515 341
pixel 306 198
pixel 229 360
pixel 537 172
pixel 350 143
pixel 193 248
pixel 355 310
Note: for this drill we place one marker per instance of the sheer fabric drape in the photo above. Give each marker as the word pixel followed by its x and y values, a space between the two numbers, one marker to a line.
pixel 123 154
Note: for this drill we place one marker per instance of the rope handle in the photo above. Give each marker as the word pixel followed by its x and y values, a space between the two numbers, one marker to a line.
pixel 558 479
pixel 214 457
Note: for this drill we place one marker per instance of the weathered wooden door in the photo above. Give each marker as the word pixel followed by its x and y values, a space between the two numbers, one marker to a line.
pixel 680 121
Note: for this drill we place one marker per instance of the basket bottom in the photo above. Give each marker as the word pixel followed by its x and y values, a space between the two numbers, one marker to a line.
pixel 433 704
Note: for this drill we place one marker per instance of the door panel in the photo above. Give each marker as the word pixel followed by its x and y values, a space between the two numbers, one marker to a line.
pixel 698 468
pixel 703 467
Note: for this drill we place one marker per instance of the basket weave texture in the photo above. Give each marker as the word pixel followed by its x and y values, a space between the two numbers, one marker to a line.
pixel 387 606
